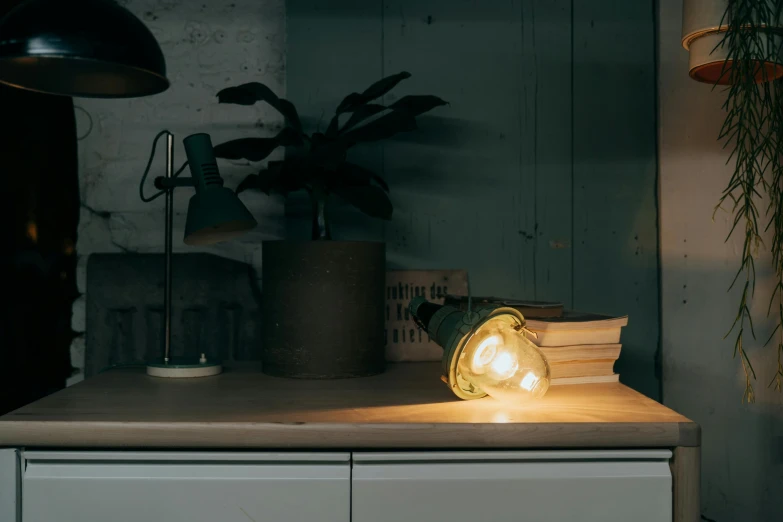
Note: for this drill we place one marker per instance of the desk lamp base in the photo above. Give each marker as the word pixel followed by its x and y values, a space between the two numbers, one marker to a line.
pixel 183 368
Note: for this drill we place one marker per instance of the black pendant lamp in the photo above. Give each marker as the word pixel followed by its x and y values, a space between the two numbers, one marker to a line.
pixel 86 48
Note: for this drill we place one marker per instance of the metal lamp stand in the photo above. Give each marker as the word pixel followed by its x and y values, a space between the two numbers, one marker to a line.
pixel 173 368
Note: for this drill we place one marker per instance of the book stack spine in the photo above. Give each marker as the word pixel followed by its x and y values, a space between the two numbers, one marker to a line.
pixel 581 363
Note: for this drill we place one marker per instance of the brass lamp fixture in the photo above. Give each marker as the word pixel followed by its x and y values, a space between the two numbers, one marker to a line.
pixel 704 27
pixel 485 352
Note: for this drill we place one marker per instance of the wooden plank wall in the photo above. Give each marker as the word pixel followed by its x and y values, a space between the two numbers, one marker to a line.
pixel 539 177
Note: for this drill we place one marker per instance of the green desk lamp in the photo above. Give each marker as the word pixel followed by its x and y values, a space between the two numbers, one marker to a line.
pixel 87 48
pixel 215 214
pixel 485 352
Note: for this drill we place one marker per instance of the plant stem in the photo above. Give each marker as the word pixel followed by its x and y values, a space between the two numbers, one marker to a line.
pixel 321 229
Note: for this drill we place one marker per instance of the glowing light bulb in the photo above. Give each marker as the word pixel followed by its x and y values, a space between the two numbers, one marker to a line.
pixel 502 362
pixel 485 353
pixel 529 381
pixel 504 366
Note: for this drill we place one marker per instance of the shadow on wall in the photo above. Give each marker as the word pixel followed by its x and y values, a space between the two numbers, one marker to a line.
pixel 742 444
pixel 215 309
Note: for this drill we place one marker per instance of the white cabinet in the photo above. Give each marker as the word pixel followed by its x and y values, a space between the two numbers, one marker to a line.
pixel 9 484
pixel 532 486
pixel 463 486
pixel 186 487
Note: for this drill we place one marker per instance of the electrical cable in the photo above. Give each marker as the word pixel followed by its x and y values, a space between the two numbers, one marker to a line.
pixel 149 165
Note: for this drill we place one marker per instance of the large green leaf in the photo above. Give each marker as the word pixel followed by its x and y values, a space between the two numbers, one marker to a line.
pixel 252 149
pixel 256 149
pixel 361 114
pixel 287 109
pixel 275 179
pixel 334 124
pixel 250 93
pixel 350 103
pixel 384 85
pixel 245 94
pixel 418 104
pixel 329 155
pixel 250 182
pixel 354 100
pixel 352 174
pixel 382 128
pixel 370 199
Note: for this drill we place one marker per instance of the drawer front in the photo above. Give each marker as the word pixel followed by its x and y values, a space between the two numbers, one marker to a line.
pixel 583 486
pixel 177 487
pixel 9 485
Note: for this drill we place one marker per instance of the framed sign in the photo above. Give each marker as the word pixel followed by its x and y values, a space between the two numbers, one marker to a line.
pixel 404 340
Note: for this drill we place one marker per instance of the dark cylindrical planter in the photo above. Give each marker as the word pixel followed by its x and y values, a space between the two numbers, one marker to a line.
pixel 323 307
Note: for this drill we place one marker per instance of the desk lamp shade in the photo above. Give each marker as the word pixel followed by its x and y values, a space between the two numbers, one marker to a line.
pixel 215 213
pixel 86 48
pixel 485 352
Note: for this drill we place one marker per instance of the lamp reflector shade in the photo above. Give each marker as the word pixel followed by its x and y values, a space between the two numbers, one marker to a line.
pixel 85 48
pixel 215 213
pixel 485 352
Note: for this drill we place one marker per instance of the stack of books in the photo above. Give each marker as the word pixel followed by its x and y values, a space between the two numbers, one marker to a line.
pixel 581 348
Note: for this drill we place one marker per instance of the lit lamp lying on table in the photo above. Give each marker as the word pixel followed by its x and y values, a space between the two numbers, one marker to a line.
pixel 215 214
pixel 485 352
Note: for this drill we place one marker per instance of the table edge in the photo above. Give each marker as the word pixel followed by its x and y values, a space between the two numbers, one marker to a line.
pixel 196 435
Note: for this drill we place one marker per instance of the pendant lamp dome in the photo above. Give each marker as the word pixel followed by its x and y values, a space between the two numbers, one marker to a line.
pixel 85 48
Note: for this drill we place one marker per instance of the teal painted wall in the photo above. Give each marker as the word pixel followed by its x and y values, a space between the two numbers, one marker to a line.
pixel 539 177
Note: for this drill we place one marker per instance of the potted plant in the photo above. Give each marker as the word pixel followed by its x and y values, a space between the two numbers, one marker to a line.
pixel 323 300
pixel 739 43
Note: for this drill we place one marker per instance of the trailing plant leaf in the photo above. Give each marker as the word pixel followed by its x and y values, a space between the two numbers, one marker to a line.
pixel 382 128
pixel 250 93
pixel 418 104
pixel 256 149
pixel 376 90
pixel 775 210
pixel 371 200
pixel 752 130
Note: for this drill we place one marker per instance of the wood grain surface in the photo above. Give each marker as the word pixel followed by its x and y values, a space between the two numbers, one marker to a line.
pixel 407 407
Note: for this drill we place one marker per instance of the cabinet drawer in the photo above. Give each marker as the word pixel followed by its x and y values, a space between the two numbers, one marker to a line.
pixel 543 486
pixel 186 487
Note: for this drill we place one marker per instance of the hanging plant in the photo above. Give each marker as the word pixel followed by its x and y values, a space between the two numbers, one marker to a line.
pixel 737 43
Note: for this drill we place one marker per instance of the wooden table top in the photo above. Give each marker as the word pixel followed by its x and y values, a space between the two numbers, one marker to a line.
pixel 407 407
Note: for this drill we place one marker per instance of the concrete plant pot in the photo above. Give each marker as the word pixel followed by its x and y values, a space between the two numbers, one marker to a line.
pixel 323 308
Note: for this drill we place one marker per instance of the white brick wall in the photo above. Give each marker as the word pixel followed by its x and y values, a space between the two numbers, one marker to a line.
pixel 208 45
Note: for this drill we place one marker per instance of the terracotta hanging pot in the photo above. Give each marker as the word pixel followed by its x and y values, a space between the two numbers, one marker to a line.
pixel 703 29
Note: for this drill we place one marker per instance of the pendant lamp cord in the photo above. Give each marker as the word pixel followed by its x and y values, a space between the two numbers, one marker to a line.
pixel 149 165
